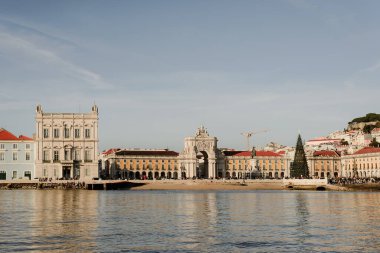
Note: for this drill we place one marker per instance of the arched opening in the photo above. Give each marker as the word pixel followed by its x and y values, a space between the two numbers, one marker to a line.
pixel 156 175
pixel 143 175
pixel 131 175
pixel 322 175
pixel 183 175
pixel 364 174
pixel 220 174
pixel 169 175
pixel 150 175
pixel 282 174
pixel 335 174
pixel 228 175
pixel 175 175
pixel 276 175
pixel 328 174
pixel 162 174
pixel 202 164
pixel 320 188
pixel 270 175
pixel 234 175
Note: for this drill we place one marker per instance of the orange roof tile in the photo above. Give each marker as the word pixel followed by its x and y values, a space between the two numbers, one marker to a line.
pixel 24 138
pixel 7 136
pixel 326 153
pixel 367 150
pixel 249 153
pixel 147 152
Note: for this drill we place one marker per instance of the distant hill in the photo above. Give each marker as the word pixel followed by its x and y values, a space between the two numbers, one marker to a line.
pixel 370 117
pixel 366 123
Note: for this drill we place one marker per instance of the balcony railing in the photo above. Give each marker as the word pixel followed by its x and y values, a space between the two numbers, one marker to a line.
pixel 46 161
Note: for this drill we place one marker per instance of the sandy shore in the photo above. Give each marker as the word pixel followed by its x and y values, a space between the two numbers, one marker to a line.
pixel 209 185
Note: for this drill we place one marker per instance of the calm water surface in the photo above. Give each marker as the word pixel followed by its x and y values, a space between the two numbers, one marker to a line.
pixel 189 221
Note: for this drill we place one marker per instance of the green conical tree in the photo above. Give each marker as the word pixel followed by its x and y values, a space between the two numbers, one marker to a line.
pixel 299 167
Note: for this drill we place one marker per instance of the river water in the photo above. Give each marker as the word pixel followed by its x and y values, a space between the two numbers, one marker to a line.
pixel 189 221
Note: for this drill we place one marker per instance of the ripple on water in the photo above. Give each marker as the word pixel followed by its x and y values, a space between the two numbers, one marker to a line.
pixel 186 221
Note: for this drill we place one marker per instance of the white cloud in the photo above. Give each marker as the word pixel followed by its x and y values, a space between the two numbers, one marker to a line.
pixel 20 47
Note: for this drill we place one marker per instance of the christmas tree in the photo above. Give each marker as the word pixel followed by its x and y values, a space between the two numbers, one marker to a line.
pixel 299 168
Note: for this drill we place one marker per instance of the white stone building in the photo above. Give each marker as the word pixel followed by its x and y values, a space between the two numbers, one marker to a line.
pixel 66 144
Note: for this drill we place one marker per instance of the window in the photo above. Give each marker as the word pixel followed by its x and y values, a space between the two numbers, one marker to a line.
pixel 45 173
pixel 46 155
pixel 14 146
pixel 14 174
pixel 3 175
pixel 14 156
pixel 56 133
pixel 55 172
pixel 2 156
pixel 27 156
pixel 67 155
pixel 46 133
pixel 28 174
pixel 87 133
pixel 77 133
pixel 56 155
pixel 2 146
pixel 87 172
pixel 77 155
pixel 27 146
pixel 67 133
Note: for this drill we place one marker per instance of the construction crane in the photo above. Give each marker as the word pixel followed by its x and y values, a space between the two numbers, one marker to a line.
pixel 248 135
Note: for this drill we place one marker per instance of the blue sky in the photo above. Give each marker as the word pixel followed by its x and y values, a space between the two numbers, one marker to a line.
pixel 159 69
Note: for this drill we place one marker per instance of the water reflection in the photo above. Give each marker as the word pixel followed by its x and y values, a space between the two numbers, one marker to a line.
pixel 171 221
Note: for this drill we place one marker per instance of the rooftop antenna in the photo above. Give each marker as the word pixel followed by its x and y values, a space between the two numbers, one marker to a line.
pixel 248 135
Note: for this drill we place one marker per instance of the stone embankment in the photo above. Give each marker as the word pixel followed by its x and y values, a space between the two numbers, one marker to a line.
pixel 266 184
pixel 43 185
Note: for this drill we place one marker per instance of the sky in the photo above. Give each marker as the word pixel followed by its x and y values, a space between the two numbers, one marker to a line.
pixel 160 69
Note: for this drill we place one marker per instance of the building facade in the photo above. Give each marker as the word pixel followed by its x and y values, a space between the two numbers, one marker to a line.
pixel 16 156
pixel 201 158
pixel 67 144
pixel 141 164
pixel 325 164
pixel 257 164
pixel 363 163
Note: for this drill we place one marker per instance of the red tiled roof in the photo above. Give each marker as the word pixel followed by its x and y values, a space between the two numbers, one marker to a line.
pixel 111 151
pixel 323 140
pixel 24 138
pixel 249 153
pixel 367 150
pixel 7 136
pixel 326 153
pixel 282 152
pixel 147 152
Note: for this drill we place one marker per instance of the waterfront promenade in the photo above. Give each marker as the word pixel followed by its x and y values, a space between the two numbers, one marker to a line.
pixel 197 185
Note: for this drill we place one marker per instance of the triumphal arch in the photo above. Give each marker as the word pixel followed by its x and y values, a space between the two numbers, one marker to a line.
pixel 201 157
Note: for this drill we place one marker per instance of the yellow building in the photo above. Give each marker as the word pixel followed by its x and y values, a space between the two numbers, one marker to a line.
pixel 266 164
pixel 325 163
pixel 200 158
pixel 142 164
pixel 363 163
